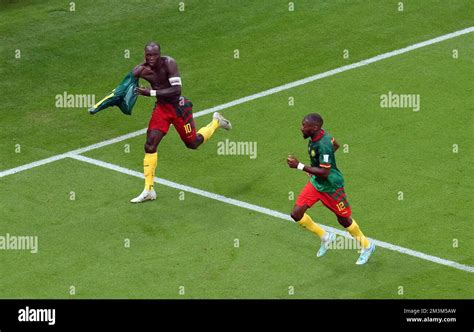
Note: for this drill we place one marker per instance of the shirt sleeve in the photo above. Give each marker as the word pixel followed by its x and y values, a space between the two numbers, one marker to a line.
pixel 326 154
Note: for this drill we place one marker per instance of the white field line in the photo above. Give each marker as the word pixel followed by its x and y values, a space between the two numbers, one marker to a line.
pixel 270 212
pixel 71 153
pixel 246 99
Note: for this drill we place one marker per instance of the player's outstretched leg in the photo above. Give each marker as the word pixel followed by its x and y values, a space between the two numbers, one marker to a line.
pixel 218 121
pixel 304 220
pixel 149 165
pixel 368 247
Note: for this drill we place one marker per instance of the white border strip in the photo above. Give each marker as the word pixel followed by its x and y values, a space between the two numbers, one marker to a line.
pixel 269 212
pixel 245 99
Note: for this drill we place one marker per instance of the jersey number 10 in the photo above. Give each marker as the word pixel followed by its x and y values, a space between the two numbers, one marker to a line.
pixel 187 128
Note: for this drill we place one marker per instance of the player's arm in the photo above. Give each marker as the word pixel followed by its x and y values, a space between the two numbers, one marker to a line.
pixel 322 172
pixel 137 73
pixel 335 145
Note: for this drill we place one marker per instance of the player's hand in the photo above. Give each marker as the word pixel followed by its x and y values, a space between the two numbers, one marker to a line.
pixel 292 161
pixel 142 91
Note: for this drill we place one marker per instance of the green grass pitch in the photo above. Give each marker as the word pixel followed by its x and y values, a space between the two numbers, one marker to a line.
pixel 184 245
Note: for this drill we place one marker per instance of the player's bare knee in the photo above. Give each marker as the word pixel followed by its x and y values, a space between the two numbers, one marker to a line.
pixel 296 215
pixel 344 222
pixel 150 148
pixel 192 146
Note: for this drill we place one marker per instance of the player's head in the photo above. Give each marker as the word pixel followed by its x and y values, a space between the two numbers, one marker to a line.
pixel 311 124
pixel 152 53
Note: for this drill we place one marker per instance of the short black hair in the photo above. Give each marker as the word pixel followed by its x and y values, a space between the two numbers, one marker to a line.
pixel 153 44
pixel 314 117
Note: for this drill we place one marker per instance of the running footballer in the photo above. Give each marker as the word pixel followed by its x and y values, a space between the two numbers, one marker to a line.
pixel 326 185
pixel 170 109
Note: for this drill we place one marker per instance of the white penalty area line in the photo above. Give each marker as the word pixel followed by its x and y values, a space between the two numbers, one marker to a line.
pixel 269 212
pixel 246 99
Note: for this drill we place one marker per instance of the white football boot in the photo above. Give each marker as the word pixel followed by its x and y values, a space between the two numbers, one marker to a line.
pixel 146 195
pixel 223 122
pixel 365 254
pixel 325 244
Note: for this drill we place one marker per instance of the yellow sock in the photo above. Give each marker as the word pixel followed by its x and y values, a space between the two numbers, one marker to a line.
pixel 149 166
pixel 355 231
pixel 209 130
pixel 311 226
